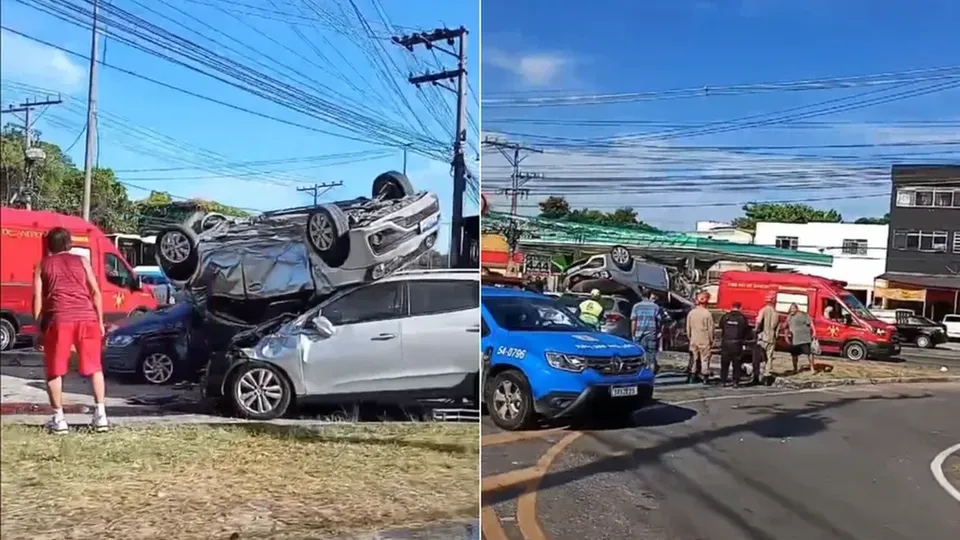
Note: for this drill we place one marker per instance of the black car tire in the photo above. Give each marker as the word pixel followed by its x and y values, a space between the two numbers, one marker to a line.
pixel 179 258
pixel 526 415
pixel 327 234
pixel 276 381
pixel 924 342
pixel 8 335
pixel 855 351
pixel 621 258
pixel 392 185
pixel 155 356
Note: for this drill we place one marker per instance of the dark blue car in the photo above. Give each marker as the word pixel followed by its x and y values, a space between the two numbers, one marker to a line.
pixel 539 360
pixel 153 345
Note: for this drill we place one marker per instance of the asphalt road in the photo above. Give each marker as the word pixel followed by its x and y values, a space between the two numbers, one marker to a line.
pixel 840 464
pixel 944 355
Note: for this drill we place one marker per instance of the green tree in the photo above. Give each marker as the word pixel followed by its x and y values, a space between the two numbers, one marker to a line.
pixel 885 220
pixel 558 208
pixel 783 213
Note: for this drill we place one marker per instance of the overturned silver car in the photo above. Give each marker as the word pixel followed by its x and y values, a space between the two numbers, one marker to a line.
pixel 310 250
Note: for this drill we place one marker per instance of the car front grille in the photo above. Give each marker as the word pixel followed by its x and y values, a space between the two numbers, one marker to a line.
pixel 615 365
pixel 412 220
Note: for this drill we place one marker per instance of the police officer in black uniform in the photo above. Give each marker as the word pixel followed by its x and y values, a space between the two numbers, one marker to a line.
pixel 734 329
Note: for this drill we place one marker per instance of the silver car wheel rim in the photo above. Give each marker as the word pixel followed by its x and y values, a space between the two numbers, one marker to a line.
pixel 259 391
pixel 175 247
pixel 321 231
pixel 856 353
pixel 4 338
pixel 157 368
pixel 620 255
pixel 507 400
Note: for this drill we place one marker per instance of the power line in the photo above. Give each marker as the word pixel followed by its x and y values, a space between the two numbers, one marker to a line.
pixel 317 190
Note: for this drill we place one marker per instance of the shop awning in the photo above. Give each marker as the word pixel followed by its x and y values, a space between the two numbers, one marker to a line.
pixel 927 281
pixel 552 235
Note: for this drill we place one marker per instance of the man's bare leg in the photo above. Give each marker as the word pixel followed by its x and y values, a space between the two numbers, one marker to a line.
pixel 55 393
pixel 100 422
pixel 99 388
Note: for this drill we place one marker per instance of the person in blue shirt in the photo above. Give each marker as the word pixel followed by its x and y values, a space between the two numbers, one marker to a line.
pixel 645 326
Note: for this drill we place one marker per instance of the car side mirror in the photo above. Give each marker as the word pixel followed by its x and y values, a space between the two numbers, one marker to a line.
pixel 323 326
pixel 848 319
pixel 137 284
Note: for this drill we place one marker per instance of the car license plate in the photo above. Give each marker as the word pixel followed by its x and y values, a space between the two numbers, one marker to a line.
pixel 429 223
pixel 623 391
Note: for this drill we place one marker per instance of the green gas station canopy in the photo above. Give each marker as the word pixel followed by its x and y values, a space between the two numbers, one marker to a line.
pixel 555 235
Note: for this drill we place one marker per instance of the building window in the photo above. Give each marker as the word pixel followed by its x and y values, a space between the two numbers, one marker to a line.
pixel 787 242
pixel 855 247
pixel 956 241
pixel 928 197
pixel 929 241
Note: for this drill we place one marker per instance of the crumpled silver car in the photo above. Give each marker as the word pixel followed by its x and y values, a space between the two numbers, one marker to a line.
pixel 617 272
pixel 306 250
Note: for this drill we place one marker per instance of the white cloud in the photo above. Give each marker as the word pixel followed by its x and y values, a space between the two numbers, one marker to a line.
pixel 33 63
pixel 542 69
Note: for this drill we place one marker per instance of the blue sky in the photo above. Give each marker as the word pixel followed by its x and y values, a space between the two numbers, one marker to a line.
pixel 539 48
pixel 324 54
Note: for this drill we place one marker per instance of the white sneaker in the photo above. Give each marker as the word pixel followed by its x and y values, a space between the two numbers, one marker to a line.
pixel 57 425
pixel 100 423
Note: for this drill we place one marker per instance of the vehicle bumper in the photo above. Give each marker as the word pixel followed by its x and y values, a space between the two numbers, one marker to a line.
pixel 121 360
pixel 939 338
pixel 215 375
pixel 569 393
pixel 882 350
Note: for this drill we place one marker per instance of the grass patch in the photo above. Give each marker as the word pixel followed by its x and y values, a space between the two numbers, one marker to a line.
pixel 841 369
pixel 262 481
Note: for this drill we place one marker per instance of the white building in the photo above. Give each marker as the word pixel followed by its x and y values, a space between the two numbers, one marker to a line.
pixel 859 251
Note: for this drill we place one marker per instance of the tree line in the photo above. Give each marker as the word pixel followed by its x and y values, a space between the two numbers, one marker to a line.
pixel 559 208
pixel 59 188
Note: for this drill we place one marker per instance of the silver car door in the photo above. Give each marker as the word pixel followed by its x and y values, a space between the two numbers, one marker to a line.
pixel 441 335
pixel 364 352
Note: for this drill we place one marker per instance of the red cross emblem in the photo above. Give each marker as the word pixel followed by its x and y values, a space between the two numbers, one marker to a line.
pixel 834 331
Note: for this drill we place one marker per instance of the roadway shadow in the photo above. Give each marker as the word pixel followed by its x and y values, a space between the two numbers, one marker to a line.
pixel 656 415
pixel 781 423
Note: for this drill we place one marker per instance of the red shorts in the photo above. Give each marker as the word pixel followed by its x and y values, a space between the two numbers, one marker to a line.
pixel 62 337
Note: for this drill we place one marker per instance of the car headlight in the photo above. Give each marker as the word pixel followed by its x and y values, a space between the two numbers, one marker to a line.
pixel 566 362
pixel 119 341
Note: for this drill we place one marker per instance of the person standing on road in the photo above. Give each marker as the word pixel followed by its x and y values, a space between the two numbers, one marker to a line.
pixel 700 330
pixel 801 336
pixel 67 301
pixel 734 327
pixel 591 310
pixel 767 328
pixel 645 320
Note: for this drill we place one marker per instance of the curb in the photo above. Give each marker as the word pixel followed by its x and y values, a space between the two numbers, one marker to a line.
pixel 792 385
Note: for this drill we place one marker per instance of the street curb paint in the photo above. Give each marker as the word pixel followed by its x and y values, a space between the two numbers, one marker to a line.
pixel 936 467
pixel 788 384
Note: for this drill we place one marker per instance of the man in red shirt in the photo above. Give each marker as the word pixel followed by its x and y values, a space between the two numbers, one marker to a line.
pixel 66 299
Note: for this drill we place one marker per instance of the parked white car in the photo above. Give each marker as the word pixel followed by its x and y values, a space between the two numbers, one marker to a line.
pixel 952 322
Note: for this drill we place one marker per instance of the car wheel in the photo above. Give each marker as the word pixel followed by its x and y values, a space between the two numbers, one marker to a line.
pixel 177 253
pixel 510 401
pixel 621 258
pixel 923 342
pixel 8 335
pixel 258 391
pixel 327 228
pixel 157 366
pixel 855 351
pixel 392 185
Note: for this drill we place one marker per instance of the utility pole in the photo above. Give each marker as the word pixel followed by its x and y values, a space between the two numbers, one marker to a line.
pixel 518 179
pixel 91 148
pixel 405 148
pixel 452 37
pixel 31 154
pixel 319 189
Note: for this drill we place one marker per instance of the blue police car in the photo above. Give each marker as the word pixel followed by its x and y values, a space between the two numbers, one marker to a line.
pixel 539 360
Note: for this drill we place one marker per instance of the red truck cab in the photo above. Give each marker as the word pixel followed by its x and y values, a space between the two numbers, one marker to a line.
pixel 847 328
pixel 21 249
